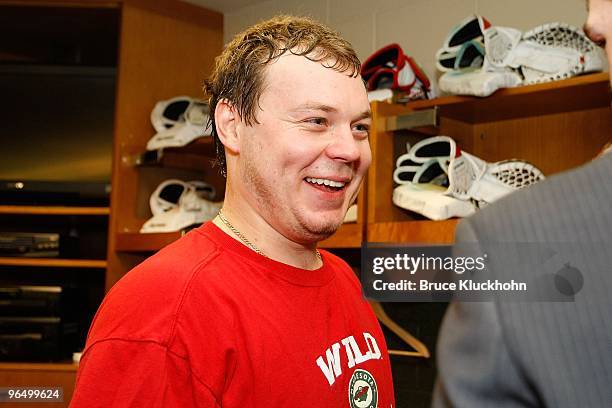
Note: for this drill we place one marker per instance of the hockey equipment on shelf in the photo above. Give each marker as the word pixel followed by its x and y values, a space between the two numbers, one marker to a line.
pixel 478 83
pixel 471 178
pixel 178 121
pixel 469 55
pixel 166 114
pixel 426 162
pixel 464 45
pixel 390 68
pixel 192 206
pixel 503 57
pixel 441 148
pixel 438 180
pixel 429 172
pixel 430 200
pixel 546 53
pixel 556 51
pixel 422 175
pixel 499 43
pixel 382 95
pixel 465 64
pixel 167 195
pixel 471 28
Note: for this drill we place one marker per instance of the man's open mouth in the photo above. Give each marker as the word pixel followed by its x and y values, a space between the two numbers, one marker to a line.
pixel 326 184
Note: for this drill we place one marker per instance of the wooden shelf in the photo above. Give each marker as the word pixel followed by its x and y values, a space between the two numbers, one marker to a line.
pixel 53 262
pixel 68 366
pixel 194 156
pixel 53 210
pixel 136 242
pixel 22 374
pixel 349 235
pixel 203 146
pixel 573 94
pixel 416 232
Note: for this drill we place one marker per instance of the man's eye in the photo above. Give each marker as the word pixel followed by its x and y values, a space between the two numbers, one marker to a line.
pixel 317 121
pixel 362 129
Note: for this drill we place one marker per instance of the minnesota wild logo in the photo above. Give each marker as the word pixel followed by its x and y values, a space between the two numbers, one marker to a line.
pixel 363 392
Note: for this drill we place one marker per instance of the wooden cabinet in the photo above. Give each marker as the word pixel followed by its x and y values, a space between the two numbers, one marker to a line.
pixel 78 267
pixel 556 126
pixel 39 375
pixel 81 272
pixel 158 49
pixel 167 49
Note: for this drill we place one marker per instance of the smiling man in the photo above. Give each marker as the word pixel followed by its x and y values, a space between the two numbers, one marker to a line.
pixel 296 166
pixel 245 311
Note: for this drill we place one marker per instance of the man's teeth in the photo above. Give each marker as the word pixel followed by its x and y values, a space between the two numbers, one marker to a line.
pixel 330 183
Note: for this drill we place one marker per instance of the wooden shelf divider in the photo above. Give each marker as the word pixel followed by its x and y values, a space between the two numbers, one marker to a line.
pixel 414 232
pixel 53 210
pixel 349 235
pixel 137 242
pixel 193 156
pixel 18 366
pixel 53 262
pixel 573 94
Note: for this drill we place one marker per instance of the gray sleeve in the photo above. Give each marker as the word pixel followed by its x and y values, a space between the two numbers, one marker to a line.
pixel 475 367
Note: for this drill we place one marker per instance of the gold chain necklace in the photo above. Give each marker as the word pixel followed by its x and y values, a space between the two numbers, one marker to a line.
pixel 244 239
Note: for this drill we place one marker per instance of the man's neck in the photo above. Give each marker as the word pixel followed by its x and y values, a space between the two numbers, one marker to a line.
pixel 262 236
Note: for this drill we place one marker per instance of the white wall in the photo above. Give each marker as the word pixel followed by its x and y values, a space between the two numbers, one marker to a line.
pixel 419 26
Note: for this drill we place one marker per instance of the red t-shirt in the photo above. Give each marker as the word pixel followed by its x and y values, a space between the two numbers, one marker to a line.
pixel 207 322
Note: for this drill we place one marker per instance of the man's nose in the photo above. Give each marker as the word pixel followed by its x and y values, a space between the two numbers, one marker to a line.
pixel 344 146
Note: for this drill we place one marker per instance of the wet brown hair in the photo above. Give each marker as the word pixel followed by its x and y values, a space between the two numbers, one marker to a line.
pixel 238 75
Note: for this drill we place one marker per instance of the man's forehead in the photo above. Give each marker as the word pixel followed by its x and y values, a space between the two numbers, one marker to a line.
pixel 311 85
pixel 311 62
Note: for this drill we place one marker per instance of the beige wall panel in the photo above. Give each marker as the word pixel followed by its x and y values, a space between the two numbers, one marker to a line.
pixel 420 27
pixel 527 14
pixel 244 17
pixel 359 32
pixel 317 9
pixel 345 10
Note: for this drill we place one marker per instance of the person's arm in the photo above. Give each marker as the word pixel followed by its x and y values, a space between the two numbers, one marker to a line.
pixel 120 373
pixel 475 366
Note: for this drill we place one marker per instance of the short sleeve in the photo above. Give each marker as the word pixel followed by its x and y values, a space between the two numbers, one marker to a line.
pixel 128 373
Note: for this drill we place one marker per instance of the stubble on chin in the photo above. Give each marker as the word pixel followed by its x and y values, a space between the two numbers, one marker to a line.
pixel 318 231
pixel 303 231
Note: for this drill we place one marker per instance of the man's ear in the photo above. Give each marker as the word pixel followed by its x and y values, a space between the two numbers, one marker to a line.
pixel 226 120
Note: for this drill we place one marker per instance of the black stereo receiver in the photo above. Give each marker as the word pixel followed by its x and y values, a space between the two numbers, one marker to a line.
pixel 29 244
pixel 38 323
